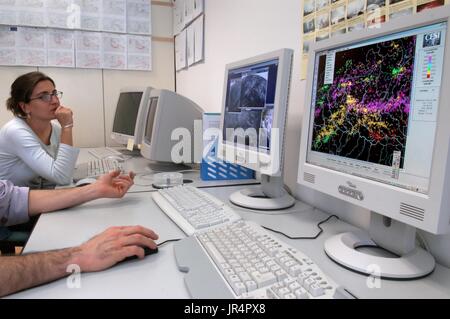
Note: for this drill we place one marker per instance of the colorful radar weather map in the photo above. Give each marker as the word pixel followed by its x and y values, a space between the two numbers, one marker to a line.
pixel 363 101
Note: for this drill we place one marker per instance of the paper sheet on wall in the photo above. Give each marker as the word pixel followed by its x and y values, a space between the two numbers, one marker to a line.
pixel 180 51
pixel 114 16
pixel 60 48
pixel 88 50
pixel 59 14
pixel 89 14
pixel 139 53
pixel 114 48
pixel 198 8
pixel 31 47
pixel 31 13
pixel 7 46
pixel 198 38
pixel 188 11
pixel 139 14
pixel 190 44
pixel 8 12
pixel 178 16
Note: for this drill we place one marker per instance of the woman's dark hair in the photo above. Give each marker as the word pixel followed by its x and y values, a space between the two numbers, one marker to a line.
pixel 21 91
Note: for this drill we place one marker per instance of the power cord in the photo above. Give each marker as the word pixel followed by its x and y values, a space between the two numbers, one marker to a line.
pixel 422 242
pixel 313 237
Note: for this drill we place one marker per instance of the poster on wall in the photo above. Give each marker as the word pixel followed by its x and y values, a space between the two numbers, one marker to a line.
pixel 323 19
pixel 76 33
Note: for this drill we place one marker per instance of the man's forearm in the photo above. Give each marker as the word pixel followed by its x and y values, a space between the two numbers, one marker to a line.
pixel 21 272
pixel 42 201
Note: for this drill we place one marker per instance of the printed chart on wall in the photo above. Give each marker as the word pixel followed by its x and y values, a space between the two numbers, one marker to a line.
pixel 323 19
pixel 76 33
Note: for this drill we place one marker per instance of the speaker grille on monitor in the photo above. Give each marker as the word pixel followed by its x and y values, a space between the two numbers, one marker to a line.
pixel 412 211
pixel 310 178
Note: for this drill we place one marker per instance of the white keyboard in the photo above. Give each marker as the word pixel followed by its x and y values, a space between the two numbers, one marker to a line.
pixel 251 263
pixel 192 209
pixel 102 152
pixel 96 168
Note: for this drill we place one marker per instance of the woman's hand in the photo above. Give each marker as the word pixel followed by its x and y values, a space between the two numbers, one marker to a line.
pixel 64 115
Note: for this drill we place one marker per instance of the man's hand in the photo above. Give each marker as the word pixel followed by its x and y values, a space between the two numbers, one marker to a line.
pixel 113 185
pixel 112 246
pixel 100 252
pixel 64 115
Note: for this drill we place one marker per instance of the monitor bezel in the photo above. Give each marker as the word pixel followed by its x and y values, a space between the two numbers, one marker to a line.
pixel 147 147
pixel 433 205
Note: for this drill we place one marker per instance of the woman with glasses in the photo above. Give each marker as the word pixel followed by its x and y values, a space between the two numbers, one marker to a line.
pixel 35 151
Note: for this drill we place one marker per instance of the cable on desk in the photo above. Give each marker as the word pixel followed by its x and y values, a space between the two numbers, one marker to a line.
pixel 313 237
pixel 168 240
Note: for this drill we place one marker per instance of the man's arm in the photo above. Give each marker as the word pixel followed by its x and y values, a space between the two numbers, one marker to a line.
pixel 100 252
pixel 112 185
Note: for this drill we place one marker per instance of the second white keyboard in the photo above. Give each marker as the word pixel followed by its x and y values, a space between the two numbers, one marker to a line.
pixel 194 210
pixel 102 152
pixel 96 168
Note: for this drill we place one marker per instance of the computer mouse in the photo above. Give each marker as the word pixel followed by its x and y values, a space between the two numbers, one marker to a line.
pixel 147 251
pixel 85 181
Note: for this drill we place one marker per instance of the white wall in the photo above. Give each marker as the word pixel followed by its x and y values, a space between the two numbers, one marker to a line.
pixel 237 29
pixel 92 94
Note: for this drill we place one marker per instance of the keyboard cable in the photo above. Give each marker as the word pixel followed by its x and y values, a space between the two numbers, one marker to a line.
pixel 312 237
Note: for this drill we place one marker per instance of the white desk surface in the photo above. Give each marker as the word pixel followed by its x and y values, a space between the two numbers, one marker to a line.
pixel 144 174
pixel 157 275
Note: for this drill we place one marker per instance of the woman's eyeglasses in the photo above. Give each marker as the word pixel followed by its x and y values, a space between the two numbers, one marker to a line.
pixel 47 97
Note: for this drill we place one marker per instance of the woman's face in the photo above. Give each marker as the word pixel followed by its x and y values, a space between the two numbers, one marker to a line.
pixel 38 107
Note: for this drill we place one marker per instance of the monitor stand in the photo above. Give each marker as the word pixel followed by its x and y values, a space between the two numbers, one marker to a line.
pixel 157 167
pixel 134 153
pixel 271 195
pixel 408 261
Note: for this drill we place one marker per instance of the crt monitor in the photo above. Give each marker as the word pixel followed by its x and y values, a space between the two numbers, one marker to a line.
pixel 254 107
pixel 169 124
pixel 376 134
pixel 128 119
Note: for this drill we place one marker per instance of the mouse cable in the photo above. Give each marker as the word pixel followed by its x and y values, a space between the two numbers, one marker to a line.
pixel 313 237
pixel 168 240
